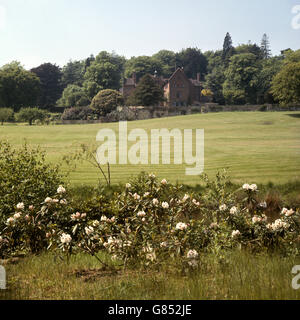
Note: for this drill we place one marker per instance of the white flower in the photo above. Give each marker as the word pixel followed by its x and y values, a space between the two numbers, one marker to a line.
pixel 164 181
pixel 186 197
pixel 141 214
pixel 155 202
pixel 233 210
pixel 235 233
pixel 146 194
pixel 128 185
pixel 136 197
pixel 89 230
pixel 20 206
pixel 10 221
pixel 103 218
pixel 192 254
pixel 152 176
pixel 96 223
pixel 284 211
pixel 223 207
pixel 61 189
pixel 65 238
pixel 165 205
pixel 181 226
pixel 196 203
pixel 263 204
pixel 289 213
pixel 164 244
pixel 17 215
pixel 63 201
pixel 48 200
pixel 31 207
pixel 253 187
pixel 246 186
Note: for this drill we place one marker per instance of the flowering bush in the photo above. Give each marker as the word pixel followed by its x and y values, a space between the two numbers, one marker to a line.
pixel 152 222
pixel 24 177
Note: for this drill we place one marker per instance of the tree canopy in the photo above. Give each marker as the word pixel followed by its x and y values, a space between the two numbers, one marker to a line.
pixel 18 87
pixel 147 93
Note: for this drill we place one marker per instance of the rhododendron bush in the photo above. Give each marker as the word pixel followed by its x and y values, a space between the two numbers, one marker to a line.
pixel 25 176
pixel 152 222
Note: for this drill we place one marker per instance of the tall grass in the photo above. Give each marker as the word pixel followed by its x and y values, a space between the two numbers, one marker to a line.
pixel 239 276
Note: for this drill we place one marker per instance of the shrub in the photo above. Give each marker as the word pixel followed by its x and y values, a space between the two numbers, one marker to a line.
pixel 79 113
pixel 31 114
pixel 107 101
pixel 6 114
pixel 24 177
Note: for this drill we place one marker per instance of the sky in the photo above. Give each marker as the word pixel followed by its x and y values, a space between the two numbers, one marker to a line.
pixel 39 31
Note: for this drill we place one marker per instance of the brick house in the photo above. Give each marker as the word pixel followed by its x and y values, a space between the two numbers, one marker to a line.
pixel 179 90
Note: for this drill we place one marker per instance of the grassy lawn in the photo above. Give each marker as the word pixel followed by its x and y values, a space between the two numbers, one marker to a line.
pixel 254 146
pixel 244 276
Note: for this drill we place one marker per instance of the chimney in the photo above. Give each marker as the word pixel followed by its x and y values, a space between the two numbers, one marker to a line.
pixel 134 77
pixel 198 77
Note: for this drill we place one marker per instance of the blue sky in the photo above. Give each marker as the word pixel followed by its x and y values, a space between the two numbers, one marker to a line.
pixel 38 31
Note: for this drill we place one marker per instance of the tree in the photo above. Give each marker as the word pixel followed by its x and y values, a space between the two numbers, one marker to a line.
pixel 249 48
pixel 51 87
pixel 228 49
pixel 268 69
pixel 107 101
pixel 286 84
pixel 142 65
pixel 215 78
pixel 193 62
pixel 167 60
pixel 18 87
pixel 73 72
pixel 265 47
pixel 74 96
pixel 147 93
pixel 6 114
pixel 241 79
pixel 104 73
pixel 31 114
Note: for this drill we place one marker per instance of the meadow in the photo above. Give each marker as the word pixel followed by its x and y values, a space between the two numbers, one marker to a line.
pixel 258 147
pixel 255 147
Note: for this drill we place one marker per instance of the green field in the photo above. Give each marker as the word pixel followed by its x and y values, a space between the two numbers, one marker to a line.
pixel 255 147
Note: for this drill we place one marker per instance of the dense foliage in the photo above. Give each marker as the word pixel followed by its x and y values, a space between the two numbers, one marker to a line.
pixel 107 101
pixel 243 74
pixel 150 222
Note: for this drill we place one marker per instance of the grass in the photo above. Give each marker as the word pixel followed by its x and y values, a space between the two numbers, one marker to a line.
pixel 254 146
pixel 245 276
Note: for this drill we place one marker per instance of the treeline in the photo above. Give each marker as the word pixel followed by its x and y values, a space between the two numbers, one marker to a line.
pixel 247 73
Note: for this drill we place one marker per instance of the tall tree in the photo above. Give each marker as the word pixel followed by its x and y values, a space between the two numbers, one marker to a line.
pixel 51 87
pixel 147 93
pixel 193 62
pixel 286 83
pixel 167 59
pixel 104 73
pixel 265 47
pixel 142 65
pixel 18 87
pixel 240 86
pixel 73 72
pixel 228 49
